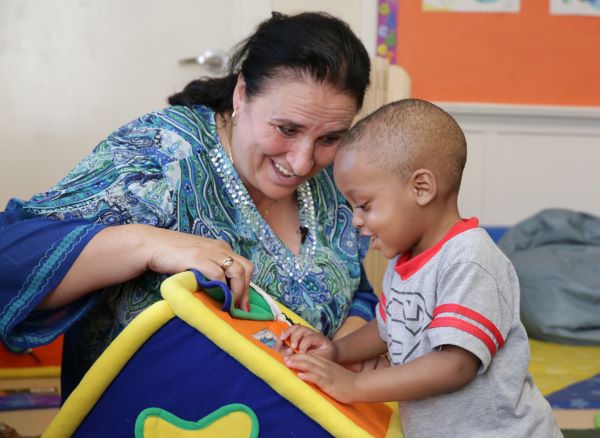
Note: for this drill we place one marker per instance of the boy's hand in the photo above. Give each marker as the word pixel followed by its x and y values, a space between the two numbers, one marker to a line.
pixel 333 379
pixel 301 339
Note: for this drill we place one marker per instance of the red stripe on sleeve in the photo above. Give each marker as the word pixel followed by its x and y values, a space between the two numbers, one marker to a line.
pixel 475 316
pixel 450 321
pixel 381 307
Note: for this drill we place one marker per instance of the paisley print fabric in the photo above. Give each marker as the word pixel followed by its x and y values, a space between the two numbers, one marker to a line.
pixel 157 170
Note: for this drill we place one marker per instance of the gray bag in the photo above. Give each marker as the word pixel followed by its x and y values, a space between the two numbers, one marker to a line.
pixel 556 254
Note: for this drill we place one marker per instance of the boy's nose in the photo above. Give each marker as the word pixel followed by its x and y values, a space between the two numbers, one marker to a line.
pixel 357 221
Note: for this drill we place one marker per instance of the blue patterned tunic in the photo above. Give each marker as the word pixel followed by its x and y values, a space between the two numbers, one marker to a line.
pixel 161 169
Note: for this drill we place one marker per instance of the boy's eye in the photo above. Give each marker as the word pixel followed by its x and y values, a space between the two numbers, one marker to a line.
pixel 363 207
pixel 287 131
pixel 330 140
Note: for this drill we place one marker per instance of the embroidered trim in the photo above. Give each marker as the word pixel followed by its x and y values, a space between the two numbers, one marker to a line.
pixel 39 278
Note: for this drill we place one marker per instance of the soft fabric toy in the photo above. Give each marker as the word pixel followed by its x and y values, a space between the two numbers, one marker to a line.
pixel 193 365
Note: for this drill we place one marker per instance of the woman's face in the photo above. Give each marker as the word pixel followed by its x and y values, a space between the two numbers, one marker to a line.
pixel 287 133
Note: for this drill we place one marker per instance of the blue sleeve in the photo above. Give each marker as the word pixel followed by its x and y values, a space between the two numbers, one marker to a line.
pixel 364 301
pixel 35 255
pixel 128 178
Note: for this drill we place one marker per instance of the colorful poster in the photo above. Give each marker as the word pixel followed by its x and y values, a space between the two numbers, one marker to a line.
pixel 387 21
pixel 575 7
pixel 511 6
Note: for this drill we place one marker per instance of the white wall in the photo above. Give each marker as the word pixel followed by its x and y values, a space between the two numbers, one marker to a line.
pixel 71 71
pixel 522 159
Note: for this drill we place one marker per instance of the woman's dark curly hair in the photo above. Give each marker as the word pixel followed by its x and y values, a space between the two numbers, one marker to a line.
pixel 314 45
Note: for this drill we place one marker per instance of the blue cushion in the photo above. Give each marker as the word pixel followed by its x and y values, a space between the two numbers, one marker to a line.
pixel 496 232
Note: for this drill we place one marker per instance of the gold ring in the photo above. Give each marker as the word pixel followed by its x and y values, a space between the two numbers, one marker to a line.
pixel 226 263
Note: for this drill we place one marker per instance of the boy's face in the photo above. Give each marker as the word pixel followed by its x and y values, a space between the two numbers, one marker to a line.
pixel 383 204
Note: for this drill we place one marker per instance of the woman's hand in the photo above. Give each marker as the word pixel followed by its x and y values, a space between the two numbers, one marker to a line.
pixel 333 379
pixel 301 339
pixel 170 252
pixel 122 252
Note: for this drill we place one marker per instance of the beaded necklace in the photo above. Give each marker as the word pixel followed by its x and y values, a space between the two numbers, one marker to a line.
pixel 296 266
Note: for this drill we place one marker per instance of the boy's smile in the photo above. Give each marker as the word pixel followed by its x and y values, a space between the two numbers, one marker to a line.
pixel 384 208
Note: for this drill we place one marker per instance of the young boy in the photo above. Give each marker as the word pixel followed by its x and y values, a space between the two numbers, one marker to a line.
pixel 449 314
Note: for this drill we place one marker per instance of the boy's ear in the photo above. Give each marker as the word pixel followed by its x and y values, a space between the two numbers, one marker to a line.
pixel 423 186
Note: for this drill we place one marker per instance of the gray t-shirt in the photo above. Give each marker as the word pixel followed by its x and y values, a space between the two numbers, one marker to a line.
pixel 464 292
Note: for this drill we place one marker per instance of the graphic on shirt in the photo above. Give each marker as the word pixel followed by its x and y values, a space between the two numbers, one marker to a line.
pixel 408 317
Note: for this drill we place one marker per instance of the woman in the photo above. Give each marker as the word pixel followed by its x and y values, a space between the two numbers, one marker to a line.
pixel 231 180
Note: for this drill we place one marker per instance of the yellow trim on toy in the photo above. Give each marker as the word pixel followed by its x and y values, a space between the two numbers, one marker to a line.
pixel 179 290
pixel 395 426
pixel 234 420
pixel 106 368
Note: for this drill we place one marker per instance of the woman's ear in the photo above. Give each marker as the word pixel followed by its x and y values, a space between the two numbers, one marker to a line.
pixel 239 92
pixel 423 186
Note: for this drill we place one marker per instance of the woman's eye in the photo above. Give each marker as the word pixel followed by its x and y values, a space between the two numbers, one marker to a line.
pixel 287 130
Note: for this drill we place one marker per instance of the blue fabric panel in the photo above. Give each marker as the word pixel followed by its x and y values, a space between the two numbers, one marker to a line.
pixel 180 370
pixel 581 395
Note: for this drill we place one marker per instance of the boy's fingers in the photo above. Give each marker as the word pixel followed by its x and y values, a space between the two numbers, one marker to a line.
pixel 309 377
pixel 314 374
pixel 296 337
pixel 305 360
pixel 296 362
pixel 307 342
pixel 282 348
pixel 289 332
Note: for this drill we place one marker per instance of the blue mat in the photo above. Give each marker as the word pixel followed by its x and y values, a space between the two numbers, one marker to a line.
pixel 580 395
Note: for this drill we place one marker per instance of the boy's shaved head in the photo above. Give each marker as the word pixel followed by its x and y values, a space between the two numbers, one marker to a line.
pixel 412 134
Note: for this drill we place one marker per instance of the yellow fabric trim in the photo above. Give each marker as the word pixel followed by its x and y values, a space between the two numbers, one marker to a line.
pixel 296 319
pixel 178 289
pixel 8 373
pixel 106 368
pixel 556 366
pixel 233 424
pixel 395 426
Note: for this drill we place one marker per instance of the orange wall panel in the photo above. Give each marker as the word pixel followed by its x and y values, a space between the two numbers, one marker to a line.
pixel 527 58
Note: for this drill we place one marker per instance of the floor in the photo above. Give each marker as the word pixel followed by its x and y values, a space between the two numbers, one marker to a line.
pixel 33 422
pixel 29 422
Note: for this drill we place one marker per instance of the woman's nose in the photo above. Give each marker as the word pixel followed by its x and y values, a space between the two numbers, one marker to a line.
pixel 302 158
